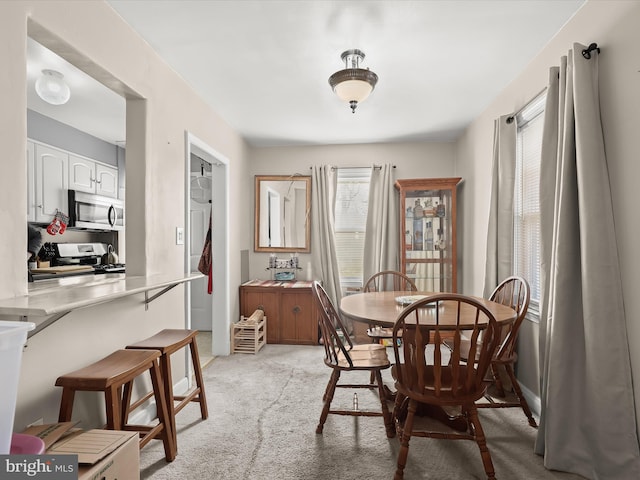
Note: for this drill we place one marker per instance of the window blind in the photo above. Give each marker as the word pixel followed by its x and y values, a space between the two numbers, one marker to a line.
pixel 352 200
pixel 527 197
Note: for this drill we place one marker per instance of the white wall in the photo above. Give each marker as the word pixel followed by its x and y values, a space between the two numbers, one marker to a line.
pixel 613 25
pixel 160 107
pixel 412 160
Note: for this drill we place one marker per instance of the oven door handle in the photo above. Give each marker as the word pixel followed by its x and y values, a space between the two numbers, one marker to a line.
pixel 112 215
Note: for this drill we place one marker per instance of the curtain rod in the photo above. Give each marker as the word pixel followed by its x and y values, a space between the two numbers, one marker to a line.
pixel 513 116
pixel 586 53
pixel 375 167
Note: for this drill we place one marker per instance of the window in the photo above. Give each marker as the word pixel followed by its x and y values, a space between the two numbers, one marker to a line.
pixel 352 200
pixel 526 225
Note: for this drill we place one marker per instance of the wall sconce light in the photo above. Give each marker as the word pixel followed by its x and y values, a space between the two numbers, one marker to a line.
pixel 51 88
pixel 353 84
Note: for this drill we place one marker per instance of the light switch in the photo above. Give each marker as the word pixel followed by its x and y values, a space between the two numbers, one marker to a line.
pixel 179 236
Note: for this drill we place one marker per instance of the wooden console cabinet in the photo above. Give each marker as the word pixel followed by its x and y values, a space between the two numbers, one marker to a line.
pixel 289 308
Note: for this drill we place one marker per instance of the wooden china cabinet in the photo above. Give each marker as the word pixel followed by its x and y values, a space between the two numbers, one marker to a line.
pixel 428 232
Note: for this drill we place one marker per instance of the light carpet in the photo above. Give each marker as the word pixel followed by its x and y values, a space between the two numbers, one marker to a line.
pixel 263 412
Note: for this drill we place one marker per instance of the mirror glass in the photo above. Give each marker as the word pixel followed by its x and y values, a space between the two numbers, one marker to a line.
pixel 282 213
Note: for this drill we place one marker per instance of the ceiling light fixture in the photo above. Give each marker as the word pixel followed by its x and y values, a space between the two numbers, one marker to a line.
pixel 51 88
pixel 353 84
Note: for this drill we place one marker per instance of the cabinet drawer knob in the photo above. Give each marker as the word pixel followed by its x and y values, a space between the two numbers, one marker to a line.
pixel 296 309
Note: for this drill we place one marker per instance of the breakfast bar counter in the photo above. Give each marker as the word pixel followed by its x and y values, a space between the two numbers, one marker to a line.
pixel 49 300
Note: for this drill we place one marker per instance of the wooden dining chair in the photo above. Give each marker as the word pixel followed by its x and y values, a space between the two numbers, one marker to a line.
pixel 513 292
pixel 386 281
pixel 389 280
pixel 428 381
pixel 341 355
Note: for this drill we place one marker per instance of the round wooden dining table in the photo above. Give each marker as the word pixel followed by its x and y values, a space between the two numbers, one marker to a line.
pixel 382 308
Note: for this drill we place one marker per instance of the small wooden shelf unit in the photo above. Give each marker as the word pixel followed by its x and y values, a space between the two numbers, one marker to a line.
pixel 249 334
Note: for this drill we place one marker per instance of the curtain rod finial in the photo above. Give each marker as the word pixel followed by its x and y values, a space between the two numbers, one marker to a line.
pixel 586 53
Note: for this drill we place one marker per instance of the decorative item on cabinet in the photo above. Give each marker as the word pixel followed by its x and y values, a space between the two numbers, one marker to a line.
pixel 428 209
pixel 284 269
pixel 289 307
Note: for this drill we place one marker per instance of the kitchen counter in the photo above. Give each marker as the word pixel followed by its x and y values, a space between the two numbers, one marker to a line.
pixel 49 300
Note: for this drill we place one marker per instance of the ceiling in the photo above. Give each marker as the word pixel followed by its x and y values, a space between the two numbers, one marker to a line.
pixel 263 66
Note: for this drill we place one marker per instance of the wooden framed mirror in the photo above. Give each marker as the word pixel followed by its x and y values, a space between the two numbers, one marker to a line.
pixel 282 213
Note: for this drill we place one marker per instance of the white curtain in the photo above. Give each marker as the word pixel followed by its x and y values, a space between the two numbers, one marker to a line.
pixel 588 423
pixel 382 237
pixel 324 183
pixel 499 264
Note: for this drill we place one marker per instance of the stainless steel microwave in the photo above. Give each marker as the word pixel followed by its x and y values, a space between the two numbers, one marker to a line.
pixel 94 212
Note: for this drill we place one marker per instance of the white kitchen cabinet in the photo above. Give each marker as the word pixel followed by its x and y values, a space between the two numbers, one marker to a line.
pixel 107 180
pixel 51 182
pixel 89 176
pixel 82 174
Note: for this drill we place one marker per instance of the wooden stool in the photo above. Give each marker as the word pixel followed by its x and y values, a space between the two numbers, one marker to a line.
pixel 167 342
pixel 109 375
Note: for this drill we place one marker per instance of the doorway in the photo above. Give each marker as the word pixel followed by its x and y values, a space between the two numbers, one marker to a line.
pixel 200 208
pixel 206 198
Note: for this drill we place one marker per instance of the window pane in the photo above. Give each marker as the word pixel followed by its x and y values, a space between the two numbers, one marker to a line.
pixel 527 197
pixel 352 198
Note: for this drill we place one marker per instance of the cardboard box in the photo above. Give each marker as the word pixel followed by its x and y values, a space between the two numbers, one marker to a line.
pixel 123 463
pixel 102 454
pixel 51 433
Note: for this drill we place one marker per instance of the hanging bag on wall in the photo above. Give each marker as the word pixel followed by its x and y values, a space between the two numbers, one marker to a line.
pixel 204 265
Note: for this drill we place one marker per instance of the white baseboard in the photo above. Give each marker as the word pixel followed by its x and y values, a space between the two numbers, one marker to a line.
pixel 533 400
pixel 146 413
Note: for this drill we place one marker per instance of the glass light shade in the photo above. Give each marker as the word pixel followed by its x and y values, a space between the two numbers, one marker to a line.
pixel 51 88
pixel 353 84
pixel 353 90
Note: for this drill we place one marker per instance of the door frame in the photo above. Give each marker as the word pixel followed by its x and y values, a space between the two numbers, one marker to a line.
pixel 220 342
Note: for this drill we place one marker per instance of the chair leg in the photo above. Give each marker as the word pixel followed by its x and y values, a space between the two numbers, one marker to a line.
pixel 481 440
pixel 328 397
pixel 66 404
pixel 404 441
pixel 164 368
pixel 518 390
pixel 162 413
pixel 386 415
pixel 113 404
pixel 397 405
pixel 496 380
pixel 197 370
pixel 326 390
pixel 126 401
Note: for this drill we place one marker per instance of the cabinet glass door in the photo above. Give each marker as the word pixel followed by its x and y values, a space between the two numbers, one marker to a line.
pixel 428 227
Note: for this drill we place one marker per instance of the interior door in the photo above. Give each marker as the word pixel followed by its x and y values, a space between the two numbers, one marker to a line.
pixel 201 305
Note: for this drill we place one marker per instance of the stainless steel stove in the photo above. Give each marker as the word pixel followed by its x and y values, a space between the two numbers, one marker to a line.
pixel 63 257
